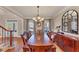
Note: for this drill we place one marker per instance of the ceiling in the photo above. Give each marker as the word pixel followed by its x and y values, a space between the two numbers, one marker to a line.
pixel 31 11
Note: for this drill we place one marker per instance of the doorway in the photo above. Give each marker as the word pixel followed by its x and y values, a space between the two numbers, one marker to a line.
pixel 12 25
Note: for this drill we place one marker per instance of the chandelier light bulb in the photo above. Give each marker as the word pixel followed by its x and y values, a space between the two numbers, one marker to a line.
pixel 38 18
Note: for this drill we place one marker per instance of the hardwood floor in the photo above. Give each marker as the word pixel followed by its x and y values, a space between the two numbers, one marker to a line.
pixel 17 48
pixel 58 49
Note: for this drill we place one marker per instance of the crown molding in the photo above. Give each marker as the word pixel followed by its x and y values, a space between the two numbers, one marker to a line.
pixel 13 11
pixel 61 12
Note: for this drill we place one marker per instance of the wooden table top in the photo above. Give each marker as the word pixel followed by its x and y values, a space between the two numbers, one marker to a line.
pixel 40 40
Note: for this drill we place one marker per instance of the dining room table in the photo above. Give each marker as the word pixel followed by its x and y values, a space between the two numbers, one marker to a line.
pixel 40 43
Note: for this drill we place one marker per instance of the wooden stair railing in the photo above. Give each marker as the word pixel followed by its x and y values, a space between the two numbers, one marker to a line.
pixel 6 37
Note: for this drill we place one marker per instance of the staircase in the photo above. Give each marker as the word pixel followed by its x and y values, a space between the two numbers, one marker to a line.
pixel 6 38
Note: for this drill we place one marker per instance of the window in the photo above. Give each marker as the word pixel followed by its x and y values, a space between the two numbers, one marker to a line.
pixel 31 25
pixel 70 22
pixel 46 25
pixel 12 25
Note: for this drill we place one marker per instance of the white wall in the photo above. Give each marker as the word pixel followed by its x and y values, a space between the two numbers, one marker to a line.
pixel 56 21
pixel 58 18
pixel 7 15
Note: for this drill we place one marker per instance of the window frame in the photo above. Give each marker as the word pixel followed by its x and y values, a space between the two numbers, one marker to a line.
pixel 33 24
pixel 48 23
pixel 72 17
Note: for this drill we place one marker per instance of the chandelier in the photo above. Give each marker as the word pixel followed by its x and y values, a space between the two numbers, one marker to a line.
pixel 38 18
